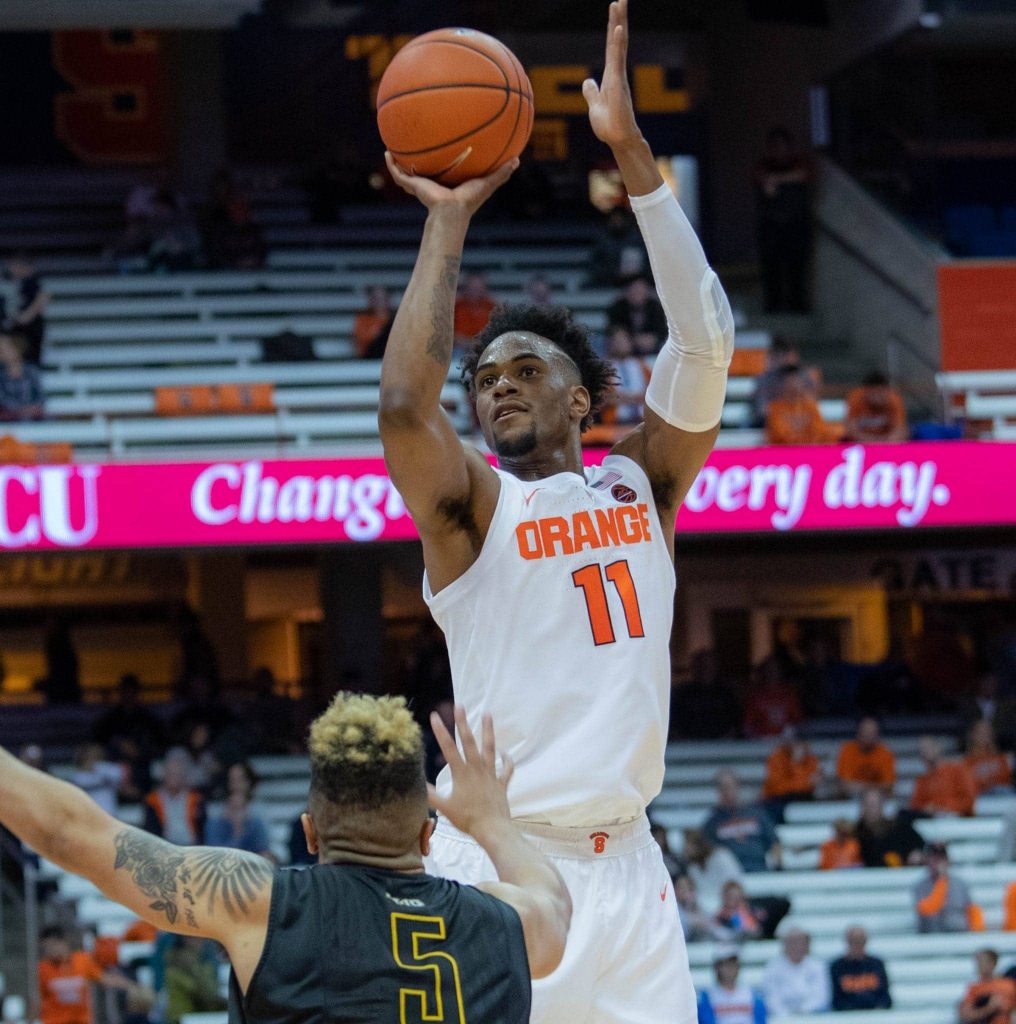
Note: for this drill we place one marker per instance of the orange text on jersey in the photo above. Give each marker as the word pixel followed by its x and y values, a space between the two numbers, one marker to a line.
pixel 603 528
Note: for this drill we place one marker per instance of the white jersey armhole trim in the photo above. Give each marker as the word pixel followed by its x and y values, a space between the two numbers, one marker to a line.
pixel 632 468
pixel 499 533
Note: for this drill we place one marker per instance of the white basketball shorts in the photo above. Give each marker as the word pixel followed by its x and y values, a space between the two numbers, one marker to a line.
pixel 625 961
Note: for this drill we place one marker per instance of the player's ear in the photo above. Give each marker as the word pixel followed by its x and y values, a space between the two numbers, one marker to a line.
pixel 310 834
pixel 580 403
pixel 425 833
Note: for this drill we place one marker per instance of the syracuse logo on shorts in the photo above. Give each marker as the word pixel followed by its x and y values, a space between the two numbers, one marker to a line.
pixel 599 841
pixel 623 493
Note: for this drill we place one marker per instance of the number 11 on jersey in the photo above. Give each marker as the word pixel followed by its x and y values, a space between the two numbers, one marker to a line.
pixel 590 579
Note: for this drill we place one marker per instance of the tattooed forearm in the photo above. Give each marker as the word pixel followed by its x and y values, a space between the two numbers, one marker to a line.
pixel 442 314
pixel 154 866
pixel 183 881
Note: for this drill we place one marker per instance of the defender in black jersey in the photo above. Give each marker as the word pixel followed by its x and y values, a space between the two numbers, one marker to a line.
pixel 364 935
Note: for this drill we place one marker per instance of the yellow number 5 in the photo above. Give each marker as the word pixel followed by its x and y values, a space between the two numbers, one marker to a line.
pixel 408 931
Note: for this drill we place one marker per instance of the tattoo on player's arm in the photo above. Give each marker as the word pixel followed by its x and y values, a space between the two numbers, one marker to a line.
pixel 180 881
pixel 442 314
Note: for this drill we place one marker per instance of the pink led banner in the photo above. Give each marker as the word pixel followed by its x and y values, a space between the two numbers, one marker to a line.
pixel 159 505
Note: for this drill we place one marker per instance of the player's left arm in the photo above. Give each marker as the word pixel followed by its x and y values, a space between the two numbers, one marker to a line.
pixel 684 400
pixel 214 893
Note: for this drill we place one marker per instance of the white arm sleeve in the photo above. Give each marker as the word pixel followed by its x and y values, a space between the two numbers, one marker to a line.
pixel 689 379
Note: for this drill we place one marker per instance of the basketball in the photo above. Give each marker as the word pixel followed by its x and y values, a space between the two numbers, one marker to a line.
pixel 454 104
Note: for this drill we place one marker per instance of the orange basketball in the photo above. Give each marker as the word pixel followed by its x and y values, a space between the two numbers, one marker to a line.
pixel 454 104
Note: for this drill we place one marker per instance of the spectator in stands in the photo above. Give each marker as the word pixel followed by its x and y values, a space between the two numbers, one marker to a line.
pixel 946 788
pixel 538 292
pixel 21 395
pixel 99 778
pixel 192 978
pixel 990 767
pixel 865 761
pixel 710 867
pixel 990 999
pixel 885 842
pixel 769 383
pixel 728 1001
pixel 744 829
pixel 373 324
pixel 670 861
pixel 238 827
pixel 633 370
pixel 943 901
pixel 988 703
pixel 29 320
pixel 132 735
pixel 794 980
pixel 842 850
pixel 619 252
pixel 175 811
pixel 859 981
pixel 268 716
pixel 794 417
pixel 176 241
pixel 232 240
pixel 697 925
pixel 62 683
pixel 736 915
pixel 772 704
pixel 201 707
pixel 875 413
pixel 638 317
pixel 203 772
pixel 472 308
pixel 706 706
pixel 793 772
pixel 65 980
pixel 783 183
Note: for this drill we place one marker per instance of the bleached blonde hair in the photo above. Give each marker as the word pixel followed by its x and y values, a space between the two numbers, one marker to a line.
pixel 366 751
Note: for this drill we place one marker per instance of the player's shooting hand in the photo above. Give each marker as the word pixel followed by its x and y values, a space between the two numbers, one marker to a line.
pixel 479 795
pixel 468 197
pixel 611 112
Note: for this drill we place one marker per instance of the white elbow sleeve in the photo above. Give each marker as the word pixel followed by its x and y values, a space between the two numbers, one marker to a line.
pixel 689 380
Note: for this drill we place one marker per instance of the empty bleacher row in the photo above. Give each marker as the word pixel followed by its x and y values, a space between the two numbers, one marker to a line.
pixel 112 340
pixel 986 399
pixel 928 973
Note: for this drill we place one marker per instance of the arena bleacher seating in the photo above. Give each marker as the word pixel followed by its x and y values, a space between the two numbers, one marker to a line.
pixel 928 973
pixel 985 398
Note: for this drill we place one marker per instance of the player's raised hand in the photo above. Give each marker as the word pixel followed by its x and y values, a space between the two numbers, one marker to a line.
pixel 469 196
pixel 611 112
pixel 478 794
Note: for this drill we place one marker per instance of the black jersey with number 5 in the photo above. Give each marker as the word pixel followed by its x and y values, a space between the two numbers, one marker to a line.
pixel 358 945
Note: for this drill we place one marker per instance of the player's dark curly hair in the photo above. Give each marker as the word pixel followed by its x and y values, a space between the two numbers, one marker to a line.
pixel 558 326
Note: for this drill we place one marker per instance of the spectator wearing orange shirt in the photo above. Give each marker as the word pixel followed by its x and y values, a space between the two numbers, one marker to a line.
pixel 989 1000
pixel 842 850
pixel 875 412
pixel 773 703
pixel 472 308
pixel 991 768
pixel 372 325
pixel 865 762
pixel 946 787
pixel 66 978
pixel 792 773
pixel 794 417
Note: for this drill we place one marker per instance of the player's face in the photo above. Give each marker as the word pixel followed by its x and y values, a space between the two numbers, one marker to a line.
pixel 528 395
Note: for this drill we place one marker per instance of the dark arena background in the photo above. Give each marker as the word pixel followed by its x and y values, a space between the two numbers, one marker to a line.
pixel 199 544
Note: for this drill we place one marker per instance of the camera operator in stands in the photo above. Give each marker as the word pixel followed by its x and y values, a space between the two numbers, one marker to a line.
pixel 21 396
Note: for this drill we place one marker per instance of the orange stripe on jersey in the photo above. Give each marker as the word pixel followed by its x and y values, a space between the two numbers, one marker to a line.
pixel 557 535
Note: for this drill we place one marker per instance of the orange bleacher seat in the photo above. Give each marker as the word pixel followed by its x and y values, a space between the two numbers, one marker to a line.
pixel 19 453
pixel 208 400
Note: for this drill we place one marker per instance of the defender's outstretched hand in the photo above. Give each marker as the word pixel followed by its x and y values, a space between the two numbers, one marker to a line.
pixel 470 195
pixel 611 112
pixel 479 795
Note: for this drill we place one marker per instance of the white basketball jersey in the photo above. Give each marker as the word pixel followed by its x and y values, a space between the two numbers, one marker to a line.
pixel 561 631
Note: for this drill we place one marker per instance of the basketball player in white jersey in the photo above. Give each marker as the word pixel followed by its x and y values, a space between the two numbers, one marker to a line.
pixel 554 584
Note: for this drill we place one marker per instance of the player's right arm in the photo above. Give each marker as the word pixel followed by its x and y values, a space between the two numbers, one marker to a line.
pixel 478 805
pixel 448 487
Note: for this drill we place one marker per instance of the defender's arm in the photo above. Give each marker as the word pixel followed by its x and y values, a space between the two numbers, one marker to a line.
pixel 215 893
